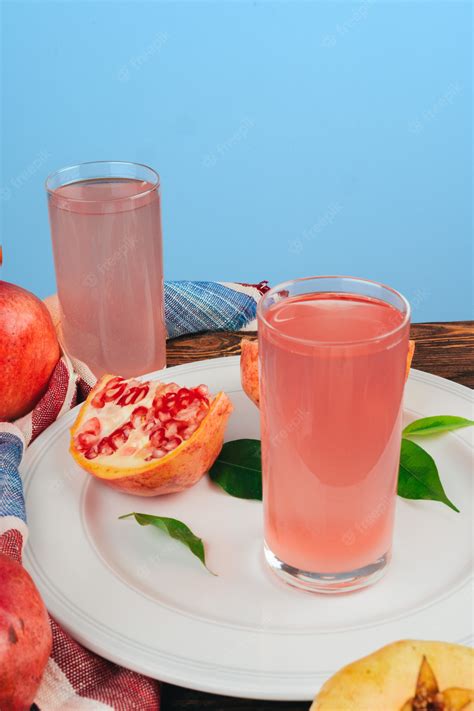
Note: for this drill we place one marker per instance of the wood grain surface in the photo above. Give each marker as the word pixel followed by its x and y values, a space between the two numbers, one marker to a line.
pixel 444 349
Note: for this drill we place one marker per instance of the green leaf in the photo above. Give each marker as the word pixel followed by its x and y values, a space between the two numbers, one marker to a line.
pixel 174 528
pixel 418 476
pixel 238 469
pixel 435 424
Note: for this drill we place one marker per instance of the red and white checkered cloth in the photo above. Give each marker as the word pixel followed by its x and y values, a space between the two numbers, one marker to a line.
pixel 76 679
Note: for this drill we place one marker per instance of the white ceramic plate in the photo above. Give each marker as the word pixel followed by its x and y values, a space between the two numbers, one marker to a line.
pixel 142 600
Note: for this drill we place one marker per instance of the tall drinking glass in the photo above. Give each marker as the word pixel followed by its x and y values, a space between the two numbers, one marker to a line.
pixel 333 353
pixel 106 230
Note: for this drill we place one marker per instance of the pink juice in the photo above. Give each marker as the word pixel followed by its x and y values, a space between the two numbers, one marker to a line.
pixel 107 247
pixel 332 380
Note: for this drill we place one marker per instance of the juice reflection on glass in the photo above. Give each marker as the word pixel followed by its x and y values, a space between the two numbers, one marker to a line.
pixel 106 230
pixel 332 366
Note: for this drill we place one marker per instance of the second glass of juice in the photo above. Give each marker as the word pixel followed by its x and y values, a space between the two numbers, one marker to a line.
pixel 106 230
pixel 333 353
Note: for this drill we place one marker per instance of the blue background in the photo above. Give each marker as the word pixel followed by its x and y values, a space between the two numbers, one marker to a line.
pixel 291 138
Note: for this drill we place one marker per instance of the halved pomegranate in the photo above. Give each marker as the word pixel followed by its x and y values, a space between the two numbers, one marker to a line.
pixel 249 368
pixel 149 438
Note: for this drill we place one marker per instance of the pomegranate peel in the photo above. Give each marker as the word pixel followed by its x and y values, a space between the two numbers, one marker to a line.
pixel 149 438
pixel 249 368
pixel 411 351
pixel 25 636
pixel 29 351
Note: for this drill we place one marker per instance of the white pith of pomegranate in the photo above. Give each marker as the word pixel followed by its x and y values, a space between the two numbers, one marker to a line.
pixel 129 420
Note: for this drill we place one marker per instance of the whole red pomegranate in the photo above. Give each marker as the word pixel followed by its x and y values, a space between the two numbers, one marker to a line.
pixel 25 637
pixel 29 350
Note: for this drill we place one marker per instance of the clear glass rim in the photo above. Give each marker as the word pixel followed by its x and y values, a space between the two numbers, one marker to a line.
pixel 56 173
pixel 356 280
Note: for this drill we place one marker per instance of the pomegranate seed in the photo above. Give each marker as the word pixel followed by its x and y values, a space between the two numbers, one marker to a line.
pixel 117 438
pixel 114 392
pixel 156 453
pixel 193 412
pixel 191 429
pixel 98 400
pixel 171 428
pixel 203 391
pixel 133 395
pixel 106 446
pixel 86 440
pixel 172 444
pixel 150 414
pixel 127 428
pixel 138 416
pixel 120 435
pixel 157 401
pixel 157 436
pixel 149 426
pixel 91 453
pixel 109 392
pixel 92 426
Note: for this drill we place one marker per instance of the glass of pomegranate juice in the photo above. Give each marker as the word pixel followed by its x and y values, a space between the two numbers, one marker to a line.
pixel 106 230
pixel 333 353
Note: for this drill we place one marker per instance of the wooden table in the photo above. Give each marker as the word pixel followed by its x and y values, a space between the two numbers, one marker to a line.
pixel 444 349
